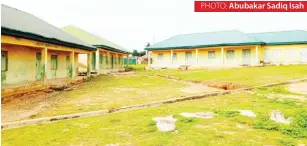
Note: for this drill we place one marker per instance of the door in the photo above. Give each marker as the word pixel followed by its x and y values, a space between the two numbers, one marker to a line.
pixel 304 55
pixel 94 61
pixel 188 58
pixel 246 56
pixel 267 57
pixel 38 66
pixel 68 67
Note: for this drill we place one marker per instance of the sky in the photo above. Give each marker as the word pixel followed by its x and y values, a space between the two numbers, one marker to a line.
pixel 133 23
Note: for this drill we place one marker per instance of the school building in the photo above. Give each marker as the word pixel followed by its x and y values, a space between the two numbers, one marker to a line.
pixel 35 54
pixel 107 58
pixel 229 48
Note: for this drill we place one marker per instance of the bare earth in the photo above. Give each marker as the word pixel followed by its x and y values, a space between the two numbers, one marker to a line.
pixel 300 88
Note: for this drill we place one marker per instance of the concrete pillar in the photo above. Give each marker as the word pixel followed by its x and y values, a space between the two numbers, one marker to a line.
pixel 97 63
pixel 257 56
pixel 222 55
pixel 172 53
pixel 72 64
pixel 89 63
pixel 44 53
pixel 196 56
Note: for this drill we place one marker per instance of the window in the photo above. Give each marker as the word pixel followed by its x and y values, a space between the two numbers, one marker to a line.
pixel 68 62
pixel 211 54
pixel 160 56
pixel 4 60
pixel 230 54
pixel 174 56
pixel 54 62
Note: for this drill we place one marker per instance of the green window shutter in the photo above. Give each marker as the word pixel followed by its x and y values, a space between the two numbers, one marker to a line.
pixel 54 62
pixel 4 60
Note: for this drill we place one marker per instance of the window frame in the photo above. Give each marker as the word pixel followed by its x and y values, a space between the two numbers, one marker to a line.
pixel 211 55
pixel 230 54
pixel 160 56
pixel 52 66
pixel 174 56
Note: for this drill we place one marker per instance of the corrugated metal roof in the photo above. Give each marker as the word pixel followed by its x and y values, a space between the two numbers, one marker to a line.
pixel 21 24
pixel 282 37
pixel 207 39
pixel 92 39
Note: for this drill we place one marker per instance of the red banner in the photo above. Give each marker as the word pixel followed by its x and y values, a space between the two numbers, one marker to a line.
pixel 250 6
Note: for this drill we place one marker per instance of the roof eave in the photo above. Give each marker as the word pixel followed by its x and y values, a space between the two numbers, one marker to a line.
pixel 111 49
pixel 286 43
pixel 32 36
pixel 203 46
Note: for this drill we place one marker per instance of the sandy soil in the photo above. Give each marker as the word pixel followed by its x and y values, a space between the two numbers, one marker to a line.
pixel 25 106
pixel 198 88
pixel 300 88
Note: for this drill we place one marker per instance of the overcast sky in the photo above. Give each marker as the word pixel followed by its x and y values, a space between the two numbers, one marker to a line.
pixel 133 23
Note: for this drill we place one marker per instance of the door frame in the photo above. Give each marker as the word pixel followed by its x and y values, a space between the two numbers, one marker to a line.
pixel 244 58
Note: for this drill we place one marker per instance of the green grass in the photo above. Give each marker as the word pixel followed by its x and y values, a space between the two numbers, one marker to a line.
pixel 246 76
pixel 105 92
pixel 137 127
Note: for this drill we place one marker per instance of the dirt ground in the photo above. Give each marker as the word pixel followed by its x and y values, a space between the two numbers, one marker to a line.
pixel 194 88
pixel 300 88
pixel 24 106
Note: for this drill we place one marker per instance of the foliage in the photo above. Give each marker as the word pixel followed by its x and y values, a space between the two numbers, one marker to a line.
pixel 227 113
pixel 138 53
pixel 264 122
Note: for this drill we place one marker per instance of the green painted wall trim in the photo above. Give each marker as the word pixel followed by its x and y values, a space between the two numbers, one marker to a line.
pixel 111 49
pixel 31 36
pixel 204 46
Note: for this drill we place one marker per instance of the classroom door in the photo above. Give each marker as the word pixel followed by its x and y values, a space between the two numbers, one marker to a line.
pixel 38 75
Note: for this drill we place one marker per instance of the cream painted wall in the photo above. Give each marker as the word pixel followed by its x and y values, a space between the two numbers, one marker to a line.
pixel 287 53
pixel 21 63
pixel 61 71
pixel 203 60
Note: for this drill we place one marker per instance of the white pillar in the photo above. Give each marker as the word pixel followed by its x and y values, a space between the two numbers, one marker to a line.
pixel 222 55
pixel 196 56
pixel 72 62
pixel 97 60
pixel 257 56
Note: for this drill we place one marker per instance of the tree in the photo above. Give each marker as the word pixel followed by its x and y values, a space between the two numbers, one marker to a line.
pixel 135 53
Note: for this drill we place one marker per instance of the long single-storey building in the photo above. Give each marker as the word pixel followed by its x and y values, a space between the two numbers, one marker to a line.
pixel 33 51
pixel 108 56
pixel 229 48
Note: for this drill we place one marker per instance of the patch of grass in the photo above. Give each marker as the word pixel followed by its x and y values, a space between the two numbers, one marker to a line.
pixel 249 76
pixel 287 142
pixel 276 89
pixel 227 113
pixel 137 127
pixel 297 128
pixel 264 122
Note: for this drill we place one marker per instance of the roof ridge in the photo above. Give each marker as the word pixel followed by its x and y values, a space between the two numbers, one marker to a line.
pixel 211 32
pixel 277 31
pixel 21 11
